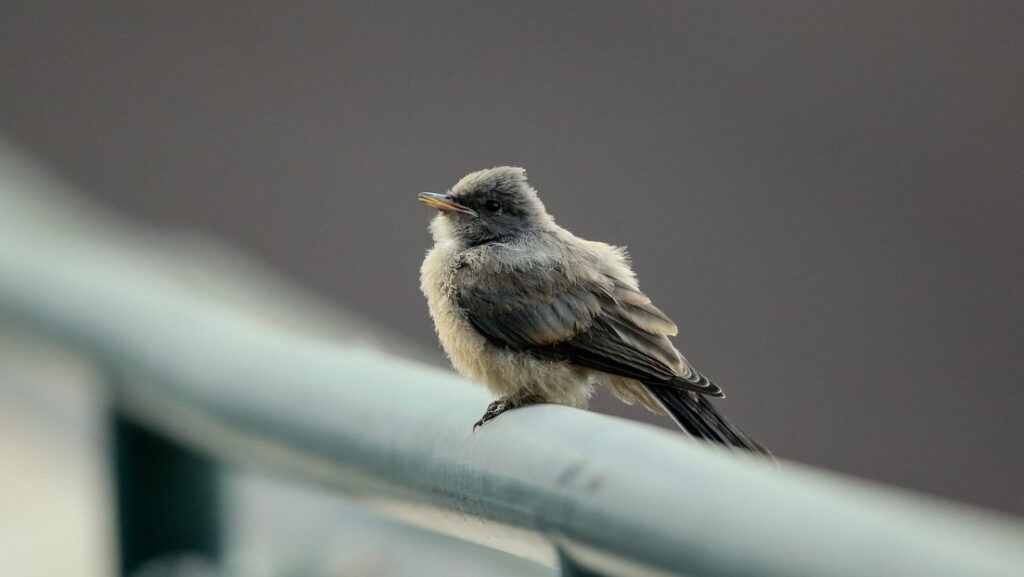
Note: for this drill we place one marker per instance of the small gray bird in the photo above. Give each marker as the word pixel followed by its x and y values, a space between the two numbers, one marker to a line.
pixel 539 315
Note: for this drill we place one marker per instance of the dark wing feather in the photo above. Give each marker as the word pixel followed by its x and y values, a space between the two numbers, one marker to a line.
pixel 521 322
pixel 602 324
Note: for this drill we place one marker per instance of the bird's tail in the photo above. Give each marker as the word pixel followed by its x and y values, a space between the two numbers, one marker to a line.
pixel 698 417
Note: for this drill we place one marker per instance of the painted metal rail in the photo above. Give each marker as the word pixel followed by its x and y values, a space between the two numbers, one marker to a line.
pixel 245 383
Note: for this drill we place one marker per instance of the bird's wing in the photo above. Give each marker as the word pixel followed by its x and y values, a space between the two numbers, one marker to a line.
pixel 600 321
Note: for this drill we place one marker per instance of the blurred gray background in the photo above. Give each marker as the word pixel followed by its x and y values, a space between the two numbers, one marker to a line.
pixel 827 197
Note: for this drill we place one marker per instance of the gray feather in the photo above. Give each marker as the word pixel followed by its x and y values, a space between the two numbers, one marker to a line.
pixel 600 322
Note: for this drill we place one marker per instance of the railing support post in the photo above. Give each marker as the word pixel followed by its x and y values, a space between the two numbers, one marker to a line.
pixel 168 503
pixel 570 568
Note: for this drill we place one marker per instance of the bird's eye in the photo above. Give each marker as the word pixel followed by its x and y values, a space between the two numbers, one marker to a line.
pixel 492 205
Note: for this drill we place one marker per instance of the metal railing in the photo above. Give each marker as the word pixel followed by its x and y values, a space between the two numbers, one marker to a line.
pixel 201 378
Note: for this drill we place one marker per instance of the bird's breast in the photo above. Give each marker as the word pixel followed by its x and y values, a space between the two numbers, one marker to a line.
pixel 502 370
pixel 464 345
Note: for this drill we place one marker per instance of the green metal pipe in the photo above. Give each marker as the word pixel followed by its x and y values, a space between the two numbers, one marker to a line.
pixel 544 482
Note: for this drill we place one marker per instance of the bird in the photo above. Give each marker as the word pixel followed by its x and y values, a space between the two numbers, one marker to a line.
pixel 539 315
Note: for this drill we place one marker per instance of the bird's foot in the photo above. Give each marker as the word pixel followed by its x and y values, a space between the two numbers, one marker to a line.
pixel 504 404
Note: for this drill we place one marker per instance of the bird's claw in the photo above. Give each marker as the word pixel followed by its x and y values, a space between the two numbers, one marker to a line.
pixel 493 410
pixel 505 404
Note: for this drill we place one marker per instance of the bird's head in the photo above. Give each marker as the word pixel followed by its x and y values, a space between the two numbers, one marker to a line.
pixel 496 204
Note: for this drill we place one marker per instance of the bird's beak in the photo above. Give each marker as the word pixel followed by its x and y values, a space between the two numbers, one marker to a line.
pixel 444 203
